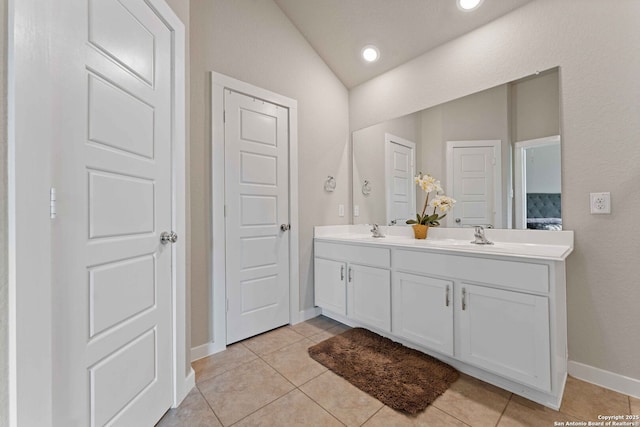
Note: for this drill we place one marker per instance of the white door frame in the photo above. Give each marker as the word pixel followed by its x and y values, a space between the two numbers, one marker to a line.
pixel 30 159
pixel 388 139
pixel 519 175
pixel 496 144
pixel 220 82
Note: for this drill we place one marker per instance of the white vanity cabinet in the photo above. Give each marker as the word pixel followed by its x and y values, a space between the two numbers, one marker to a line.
pixel 505 332
pixel 368 292
pixel 332 294
pixel 355 283
pixel 501 314
pixel 423 311
pixel 497 313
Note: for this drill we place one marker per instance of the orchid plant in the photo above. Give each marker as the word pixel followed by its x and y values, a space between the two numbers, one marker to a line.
pixel 441 204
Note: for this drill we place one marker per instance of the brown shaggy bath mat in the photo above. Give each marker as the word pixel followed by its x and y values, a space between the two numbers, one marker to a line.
pixel 401 378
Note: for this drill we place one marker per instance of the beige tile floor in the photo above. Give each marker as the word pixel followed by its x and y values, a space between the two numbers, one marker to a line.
pixel 270 380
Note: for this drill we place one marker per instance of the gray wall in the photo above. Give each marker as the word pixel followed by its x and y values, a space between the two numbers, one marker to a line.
pixel 4 345
pixel 253 41
pixel 595 45
pixel 535 107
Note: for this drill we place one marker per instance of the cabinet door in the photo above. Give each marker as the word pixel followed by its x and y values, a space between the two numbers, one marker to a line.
pixel 505 332
pixel 330 289
pixel 423 311
pixel 369 296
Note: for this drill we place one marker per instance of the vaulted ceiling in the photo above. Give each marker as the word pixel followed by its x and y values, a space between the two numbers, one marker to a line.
pixel 401 29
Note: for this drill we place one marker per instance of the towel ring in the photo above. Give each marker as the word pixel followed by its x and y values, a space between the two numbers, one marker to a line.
pixel 330 184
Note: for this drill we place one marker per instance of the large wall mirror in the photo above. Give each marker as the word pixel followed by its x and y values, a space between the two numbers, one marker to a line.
pixel 497 152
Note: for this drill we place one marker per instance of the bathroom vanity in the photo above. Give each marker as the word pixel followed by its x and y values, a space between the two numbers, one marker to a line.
pixel 496 312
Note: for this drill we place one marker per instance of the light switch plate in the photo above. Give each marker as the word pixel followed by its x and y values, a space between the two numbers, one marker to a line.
pixel 356 210
pixel 600 203
pixel 340 210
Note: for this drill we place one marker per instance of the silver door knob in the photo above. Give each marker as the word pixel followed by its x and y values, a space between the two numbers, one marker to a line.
pixel 166 237
pixel 285 227
pixel 458 220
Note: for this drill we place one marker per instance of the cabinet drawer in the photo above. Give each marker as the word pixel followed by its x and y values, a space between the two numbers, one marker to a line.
pixel 522 276
pixel 377 257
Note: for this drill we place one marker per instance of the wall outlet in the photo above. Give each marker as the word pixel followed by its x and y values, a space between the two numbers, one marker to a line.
pixel 340 210
pixel 600 203
pixel 356 210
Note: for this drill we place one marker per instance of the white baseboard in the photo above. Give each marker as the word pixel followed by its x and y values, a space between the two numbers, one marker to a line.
pixel 210 348
pixel 606 379
pixel 309 313
pixel 190 381
pixel 205 350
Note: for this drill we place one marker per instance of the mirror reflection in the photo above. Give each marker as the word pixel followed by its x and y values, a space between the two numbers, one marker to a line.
pixel 496 152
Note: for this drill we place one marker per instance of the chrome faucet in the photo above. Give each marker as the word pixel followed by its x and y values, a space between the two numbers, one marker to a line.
pixel 481 239
pixel 376 231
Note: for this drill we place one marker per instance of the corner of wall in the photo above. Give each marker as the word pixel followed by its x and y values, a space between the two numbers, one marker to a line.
pixel 4 304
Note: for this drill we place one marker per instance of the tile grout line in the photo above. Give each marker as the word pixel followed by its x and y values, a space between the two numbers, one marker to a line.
pixel 504 409
pixel 318 403
pixel 262 407
pixel 209 405
pixel 448 414
pixel 227 370
pixel 374 414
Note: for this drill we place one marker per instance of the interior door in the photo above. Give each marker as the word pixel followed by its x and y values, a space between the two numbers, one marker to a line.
pixel 112 333
pixel 257 215
pixel 401 190
pixel 473 186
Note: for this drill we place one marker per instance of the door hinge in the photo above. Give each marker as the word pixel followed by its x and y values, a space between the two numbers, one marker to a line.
pixel 224 116
pixel 52 203
pixel 227 307
pixel 225 211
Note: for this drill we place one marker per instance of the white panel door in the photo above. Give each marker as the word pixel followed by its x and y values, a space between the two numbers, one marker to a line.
pixel 505 332
pixel 401 190
pixel 330 285
pixel 473 186
pixel 369 296
pixel 423 311
pixel 257 204
pixel 112 345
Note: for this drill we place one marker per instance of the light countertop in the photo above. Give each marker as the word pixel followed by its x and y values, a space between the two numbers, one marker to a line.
pixel 531 244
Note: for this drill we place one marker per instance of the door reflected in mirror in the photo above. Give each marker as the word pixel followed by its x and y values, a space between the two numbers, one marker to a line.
pixel 496 151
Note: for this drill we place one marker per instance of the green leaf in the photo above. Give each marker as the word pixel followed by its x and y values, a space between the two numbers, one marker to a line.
pixel 411 221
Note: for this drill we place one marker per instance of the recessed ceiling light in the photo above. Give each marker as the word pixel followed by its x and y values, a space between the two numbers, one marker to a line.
pixel 370 53
pixel 468 5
